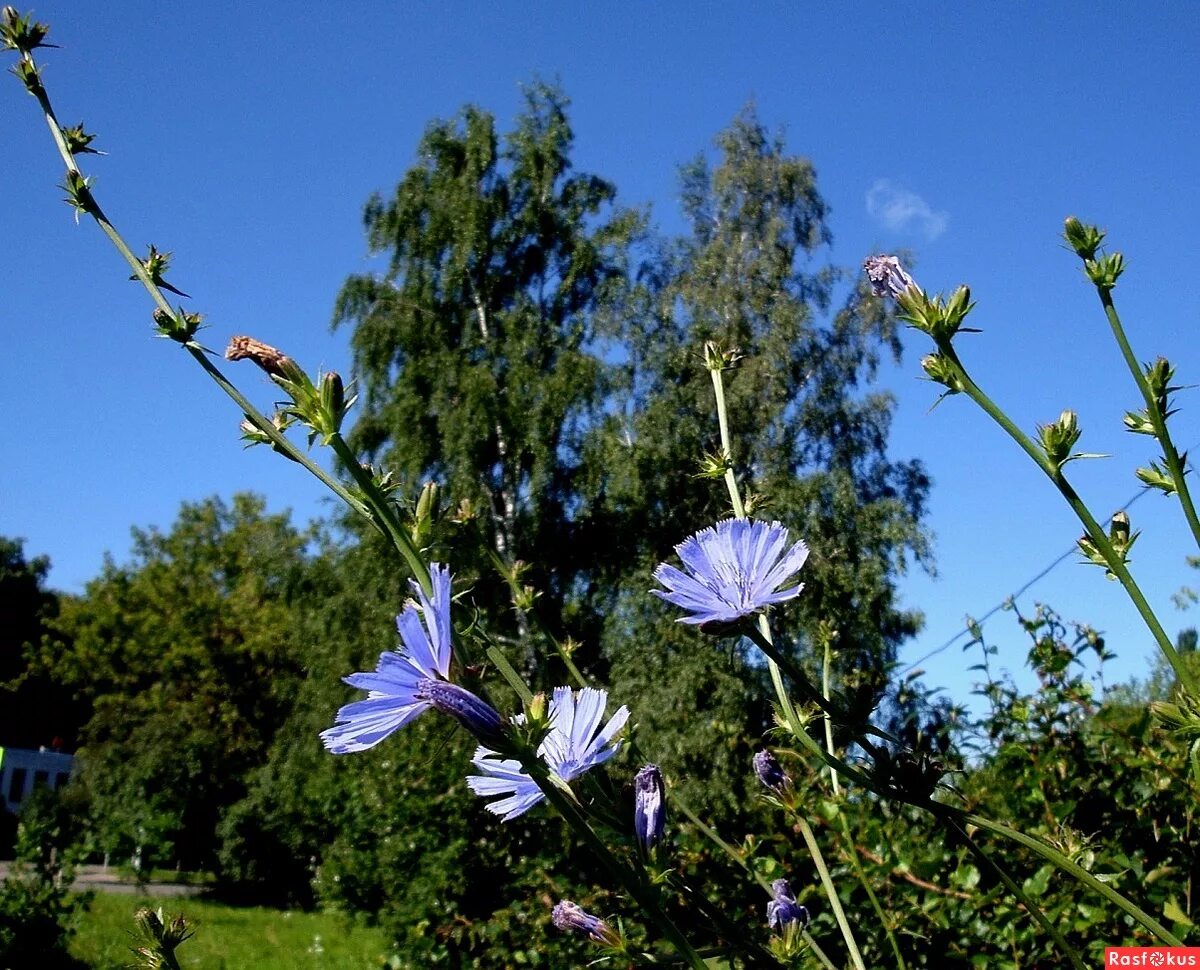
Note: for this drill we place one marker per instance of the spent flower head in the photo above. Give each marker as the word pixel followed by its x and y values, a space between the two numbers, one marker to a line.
pixel 733 569
pixel 412 680
pixel 574 744
pixel 573 918
pixel 887 276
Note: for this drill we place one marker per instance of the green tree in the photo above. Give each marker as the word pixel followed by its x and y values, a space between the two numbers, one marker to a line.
pixel 532 349
pixel 810 438
pixel 187 660
pixel 33 710
pixel 477 347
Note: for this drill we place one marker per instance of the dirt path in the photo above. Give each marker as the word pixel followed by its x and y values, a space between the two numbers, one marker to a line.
pixel 109 881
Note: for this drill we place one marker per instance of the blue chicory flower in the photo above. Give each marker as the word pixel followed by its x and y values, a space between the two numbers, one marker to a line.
pixel 412 679
pixel 887 276
pixel 783 909
pixel 573 917
pixel 574 744
pixel 733 569
pixel 649 809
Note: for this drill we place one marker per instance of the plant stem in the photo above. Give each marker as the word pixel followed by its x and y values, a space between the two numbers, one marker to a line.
pixel 197 352
pixel 1031 907
pixel 835 903
pixel 633 882
pixel 825 667
pixel 1157 418
pixel 884 921
pixel 1113 560
pixel 1050 854
pixel 763 640
pixel 735 499
pixel 506 574
pixel 384 512
pixel 818 952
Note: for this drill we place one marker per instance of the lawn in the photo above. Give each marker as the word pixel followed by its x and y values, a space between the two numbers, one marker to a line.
pixel 232 938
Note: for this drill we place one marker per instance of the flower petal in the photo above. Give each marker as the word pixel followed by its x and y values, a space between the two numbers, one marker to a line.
pixel 363 724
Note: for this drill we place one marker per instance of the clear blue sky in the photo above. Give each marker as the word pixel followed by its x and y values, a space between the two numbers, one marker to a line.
pixel 245 137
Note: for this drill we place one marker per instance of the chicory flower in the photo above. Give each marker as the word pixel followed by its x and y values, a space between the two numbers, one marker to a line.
pixel 734 568
pixel 574 744
pixel 412 679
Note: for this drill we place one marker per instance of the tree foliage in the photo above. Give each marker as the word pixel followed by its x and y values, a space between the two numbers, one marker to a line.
pixel 34 710
pixel 187 661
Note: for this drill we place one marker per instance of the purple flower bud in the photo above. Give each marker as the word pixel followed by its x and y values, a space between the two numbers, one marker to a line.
pixel 887 276
pixel 770 772
pixel 477 716
pixel 649 809
pixel 783 910
pixel 571 917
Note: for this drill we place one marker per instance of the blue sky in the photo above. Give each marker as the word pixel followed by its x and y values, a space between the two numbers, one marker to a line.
pixel 245 138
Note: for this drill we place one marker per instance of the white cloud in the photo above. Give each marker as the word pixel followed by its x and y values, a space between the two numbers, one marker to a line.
pixel 901 210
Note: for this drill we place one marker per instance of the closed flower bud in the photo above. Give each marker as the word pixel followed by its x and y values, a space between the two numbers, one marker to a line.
pixel 1060 437
pixel 940 369
pixel 79 141
pixel 783 911
pixel 155 264
pixel 1104 271
pixel 770 772
pixel 20 32
pixel 1120 537
pixel 334 403
pixel 1084 239
pixel 649 808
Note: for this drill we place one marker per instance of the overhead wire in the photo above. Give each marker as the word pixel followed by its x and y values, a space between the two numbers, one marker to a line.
pixel 966 630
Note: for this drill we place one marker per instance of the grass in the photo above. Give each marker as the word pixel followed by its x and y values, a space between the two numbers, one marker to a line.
pixel 232 938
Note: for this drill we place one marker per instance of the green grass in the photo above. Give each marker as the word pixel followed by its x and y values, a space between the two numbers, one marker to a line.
pixel 232 937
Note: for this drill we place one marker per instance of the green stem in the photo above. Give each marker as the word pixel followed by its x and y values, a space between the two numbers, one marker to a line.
pixel 763 640
pixel 384 513
pixel 1052 855
pixel 505 573
pixel 818 952
pixel 338 488
pixel 496 655
pixel 735 499
pixel 197 352
pixel 1157 418
pixel 835 903
pixel 1030 906
pixel 884 921
pixel 632 881
pixel 825 672
pixel 1113 560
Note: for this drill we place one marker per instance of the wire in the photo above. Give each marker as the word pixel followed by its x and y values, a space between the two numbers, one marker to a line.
pixel 1008 599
